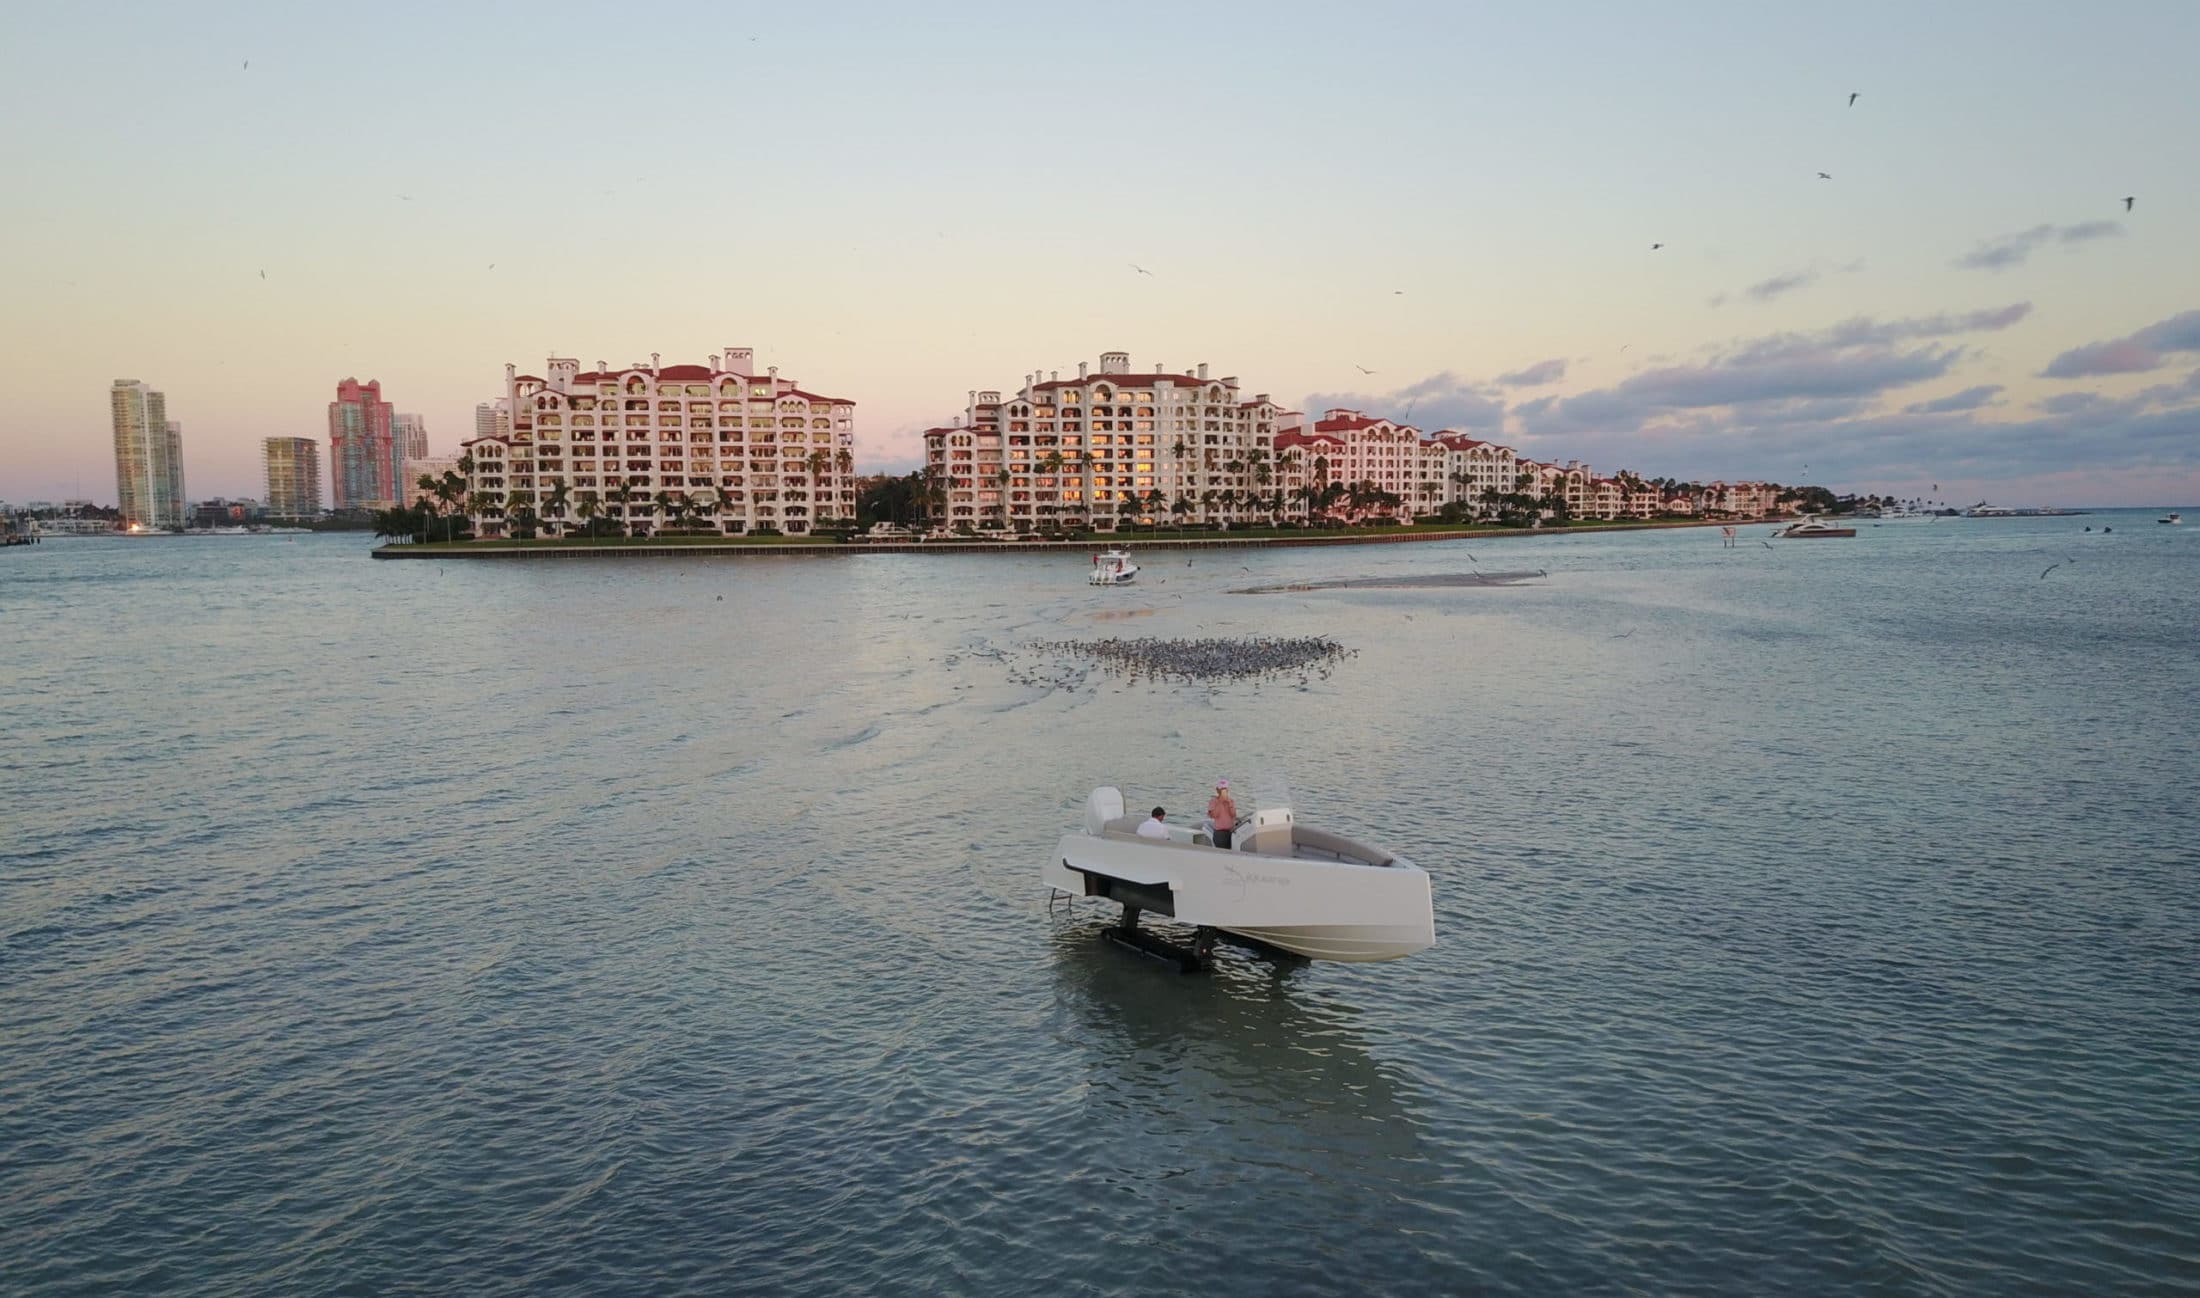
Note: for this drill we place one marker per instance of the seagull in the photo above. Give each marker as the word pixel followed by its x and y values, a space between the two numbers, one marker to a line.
pixel 263 274
pixel 1362 368
pixel 1823 176
pixel 1852 99
pixel 1624 634
pixel 1766 544
pixel 248 65
pixel 1655 246
pixel 405 198
pixel 1141 270
pixel 2050 568
pixel 2128 201
pixel 492 265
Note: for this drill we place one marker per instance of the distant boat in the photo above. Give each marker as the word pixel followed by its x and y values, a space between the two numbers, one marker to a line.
pixel 1113 568
pixel 2173 518
pixel 1813 528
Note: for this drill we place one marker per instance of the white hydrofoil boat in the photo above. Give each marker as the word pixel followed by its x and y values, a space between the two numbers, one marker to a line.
pixel 1280 884
pixel 1114 568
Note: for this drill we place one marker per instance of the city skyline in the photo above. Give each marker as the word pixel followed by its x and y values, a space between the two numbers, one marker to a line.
pixel 1465 242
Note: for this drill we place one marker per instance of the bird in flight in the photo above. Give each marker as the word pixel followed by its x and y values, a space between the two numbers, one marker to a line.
pixel 1852 99
pixel 2050 568
pixel 2128 201
pixel 405 197
pixel 1363 369
pixel 1655 246
pixel 1397 292
pixel 1141 269
pixel 248 65
pixel 492 265
pixel 1823 176
pixel 263 274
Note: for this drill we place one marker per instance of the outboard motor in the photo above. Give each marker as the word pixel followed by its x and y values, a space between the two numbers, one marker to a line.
pixel 1105 804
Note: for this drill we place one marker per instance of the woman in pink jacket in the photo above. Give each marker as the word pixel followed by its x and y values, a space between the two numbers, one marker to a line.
pixel 1223 813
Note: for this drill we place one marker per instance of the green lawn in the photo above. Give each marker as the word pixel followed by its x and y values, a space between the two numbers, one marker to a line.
pixel 630 542
pixel 1127 537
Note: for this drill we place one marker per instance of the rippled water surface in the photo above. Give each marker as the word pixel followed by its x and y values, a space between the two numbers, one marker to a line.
pixel 1820 918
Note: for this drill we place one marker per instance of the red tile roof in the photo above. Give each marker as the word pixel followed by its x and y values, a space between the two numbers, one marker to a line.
pixel 1344 424
pixel 1130 381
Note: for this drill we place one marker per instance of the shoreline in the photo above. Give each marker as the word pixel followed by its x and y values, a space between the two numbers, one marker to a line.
pixel 738 548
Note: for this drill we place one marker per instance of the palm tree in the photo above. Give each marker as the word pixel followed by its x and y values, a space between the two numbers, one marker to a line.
pixel 1001 480
pixel 554 505
pixel 622 495
pixel 588 509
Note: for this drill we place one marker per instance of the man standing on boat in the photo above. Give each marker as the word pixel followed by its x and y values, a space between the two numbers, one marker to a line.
pixel 1222 813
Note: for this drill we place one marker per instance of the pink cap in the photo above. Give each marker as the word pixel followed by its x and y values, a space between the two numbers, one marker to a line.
pixel 1222 784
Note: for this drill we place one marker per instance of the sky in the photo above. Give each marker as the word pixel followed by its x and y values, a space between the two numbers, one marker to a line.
pixel 1442 212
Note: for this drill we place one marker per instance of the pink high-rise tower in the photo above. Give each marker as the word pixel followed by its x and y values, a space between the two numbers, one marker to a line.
pixel 365 457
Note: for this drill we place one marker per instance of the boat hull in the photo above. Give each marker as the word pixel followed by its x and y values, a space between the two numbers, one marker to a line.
pixel 1323 910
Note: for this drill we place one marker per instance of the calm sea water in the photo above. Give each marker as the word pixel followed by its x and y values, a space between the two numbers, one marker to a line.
pixel 1815 919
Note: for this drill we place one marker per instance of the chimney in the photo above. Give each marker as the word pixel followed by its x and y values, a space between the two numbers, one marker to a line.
pixel 1081 371
pixel 714 362
pixel 1054 376
pixel 601 366
pixel 1203 369
pixel 773 373
pixel 653 365
pixel 1159 368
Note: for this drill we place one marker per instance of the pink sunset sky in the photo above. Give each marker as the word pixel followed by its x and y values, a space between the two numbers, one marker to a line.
pixel 1428 208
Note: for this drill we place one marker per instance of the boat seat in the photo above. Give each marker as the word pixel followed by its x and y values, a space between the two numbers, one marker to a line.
pixel 1127 827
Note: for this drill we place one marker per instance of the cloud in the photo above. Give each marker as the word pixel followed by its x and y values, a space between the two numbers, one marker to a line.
pixel 1442 400
pixel 2149 348
pixel 1968 399
pixel 1775 377
pixel 2008 250
pixel 1765 290
pixel 1536 375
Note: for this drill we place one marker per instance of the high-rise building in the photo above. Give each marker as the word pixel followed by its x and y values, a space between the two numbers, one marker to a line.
pixel 172 435
pixel 493 419
pixel 293 466
pixel 365 456
pixel 148 458
pixel 717 447
pixel 1105 448
pixel 412 436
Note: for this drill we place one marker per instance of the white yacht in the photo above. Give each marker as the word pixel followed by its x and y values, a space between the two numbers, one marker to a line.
pixel 1113 568
pixel 2173 518
pixel 1811 528
pixel 1280 885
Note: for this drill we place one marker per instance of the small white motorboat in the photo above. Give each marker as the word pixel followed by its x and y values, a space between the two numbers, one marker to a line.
pixel 1813 527
pixel 2173 518
pixel 1113 568
pixel 1280 885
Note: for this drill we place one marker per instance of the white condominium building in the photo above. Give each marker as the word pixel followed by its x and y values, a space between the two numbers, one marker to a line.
pixel 492 419
pixel 292 468
pixel 1107 448
pixel 715 447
